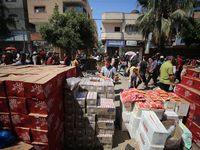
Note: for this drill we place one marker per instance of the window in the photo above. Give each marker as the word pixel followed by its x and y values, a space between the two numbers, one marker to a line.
pixel 15 17
pixel 11 0
pixel 39 9
pixel 131 28
pixel 117 29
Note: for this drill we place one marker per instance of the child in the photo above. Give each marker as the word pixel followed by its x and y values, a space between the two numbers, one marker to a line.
pixel 133 78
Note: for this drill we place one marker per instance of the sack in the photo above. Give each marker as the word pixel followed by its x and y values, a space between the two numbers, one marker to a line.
pixel 72 83
pixel 175 141
pixel 186 136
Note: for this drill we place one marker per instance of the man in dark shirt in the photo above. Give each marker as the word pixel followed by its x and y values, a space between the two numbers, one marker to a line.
pixel 134 77
pixel 153 71
pixel 179 68
pixel 142 71
pixel 43 57
pixel 116 58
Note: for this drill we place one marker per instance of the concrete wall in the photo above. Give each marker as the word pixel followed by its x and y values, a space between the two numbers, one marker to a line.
pixel 110 27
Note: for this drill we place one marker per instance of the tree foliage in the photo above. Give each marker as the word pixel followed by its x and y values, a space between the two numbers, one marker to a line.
pixel 70 31
pixel 5 23
pixel 164 18
pixel 191 34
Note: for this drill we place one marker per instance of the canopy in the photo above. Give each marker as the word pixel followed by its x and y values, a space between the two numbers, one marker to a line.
pixel 10 48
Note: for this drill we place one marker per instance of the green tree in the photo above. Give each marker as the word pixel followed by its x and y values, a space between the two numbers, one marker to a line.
pixel 164 18
pixel 5 23
pixel 191 34
pixel 70 31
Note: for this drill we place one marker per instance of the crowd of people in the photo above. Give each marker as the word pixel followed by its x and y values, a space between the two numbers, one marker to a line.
pixel 168 69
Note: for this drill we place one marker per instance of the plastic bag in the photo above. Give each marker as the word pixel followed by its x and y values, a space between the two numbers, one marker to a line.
pixel 186 136
pixel 72 83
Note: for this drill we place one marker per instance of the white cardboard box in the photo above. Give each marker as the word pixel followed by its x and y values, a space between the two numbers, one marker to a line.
pixel 144 142
pixel 138 111
pixel 153 128
pixel 159 113
pixel 127 107
pixel 126 116
pixel 170 105
pixel 134 121
pixel 182 107
pixel 132 131
pixel 171 116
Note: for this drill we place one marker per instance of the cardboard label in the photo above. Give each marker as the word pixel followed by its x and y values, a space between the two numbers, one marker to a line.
pixel 5 119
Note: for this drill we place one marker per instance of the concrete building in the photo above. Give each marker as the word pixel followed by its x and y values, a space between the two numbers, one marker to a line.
pixel 39 11
pixel 17 11
pixel 118 32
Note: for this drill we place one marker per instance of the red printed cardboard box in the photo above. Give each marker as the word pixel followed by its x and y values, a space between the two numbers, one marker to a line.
pixel 5 120
pixel 180 89
pixel 43 106
pixel 41 88
pixel 196 140
pixel 193 127
pixel 40 146
pixel 193 72
pixel 196 84
pixel 4 104
pixel 18 105
pixel 46 122
pixel 20 120
pixel 2 89
pixel 71 72
pixel 187 81
pixel 23 134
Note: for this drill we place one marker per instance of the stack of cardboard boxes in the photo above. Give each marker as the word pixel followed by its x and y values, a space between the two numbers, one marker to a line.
pixel 35 103
pixel 189 90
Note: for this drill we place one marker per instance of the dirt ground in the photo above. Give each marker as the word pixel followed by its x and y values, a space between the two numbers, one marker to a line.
pixel 121 139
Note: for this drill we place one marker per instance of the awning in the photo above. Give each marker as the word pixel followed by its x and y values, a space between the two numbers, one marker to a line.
pixel 36 37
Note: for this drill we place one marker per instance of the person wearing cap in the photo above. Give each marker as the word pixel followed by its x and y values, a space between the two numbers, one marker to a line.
pixel 123 63
pixel 34 57
pixel 166 74
pixel 134 57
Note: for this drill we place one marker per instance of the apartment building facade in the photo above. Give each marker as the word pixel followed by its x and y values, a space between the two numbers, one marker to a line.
pixel 17 9
pixel 39 11
pixel 119 33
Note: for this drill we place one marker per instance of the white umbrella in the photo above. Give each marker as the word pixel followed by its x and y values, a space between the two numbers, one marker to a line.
pixel 130 53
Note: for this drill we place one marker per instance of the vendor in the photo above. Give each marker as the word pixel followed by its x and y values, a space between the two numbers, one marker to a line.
pixel 108 72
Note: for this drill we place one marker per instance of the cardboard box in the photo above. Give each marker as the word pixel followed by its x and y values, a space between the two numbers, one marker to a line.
pixel 144 140
pixel 182 107
pixel 126 116
pixel 80 118
pixel 137 111
pixel 71 72
pixel 196 119
pixel 132 131
pixel 109 86
pixel 110 95
pixel 196 140
pixel 79 139
pixel 170 105
pixel 105 131
pixel 4 105
pixel 106 110
pixel 153 128
pixel 134 121
pixel 170 116
pixel 127 107
pixel 44 122
pixel 20 120
pixel 41 136
pixel 70 103
pixel 41 88
pixel 80 132
pixel 100 87
pixel 69 138
pixel 69 117
pixel 69 125
pixel 90 118
pixel 40 146
pixel 44 106
pixel 105 124
pixel 80 124
pixel 23 134
pixel 92 99
pixel 196 84
pixel 89 138
pixel 101 95
pixel 107 138
pixel 187 81
pixel 193 72
pixel 80 99
pixel 91 109
pixel 108 145
pixel 105 117
pixel 2 89
pixel 18 105
pixel 5 120
pixel 90 128
pixel 193 127
pixel 70 132
pixel 70 110
pixel 70 94
pixel 159 113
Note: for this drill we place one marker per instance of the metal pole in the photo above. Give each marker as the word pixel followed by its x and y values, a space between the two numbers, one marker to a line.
pixel 23 41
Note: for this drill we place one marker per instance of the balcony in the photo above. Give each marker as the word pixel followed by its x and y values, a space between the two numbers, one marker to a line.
pixel 76 9
pixel 112 36
pixel 112 17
